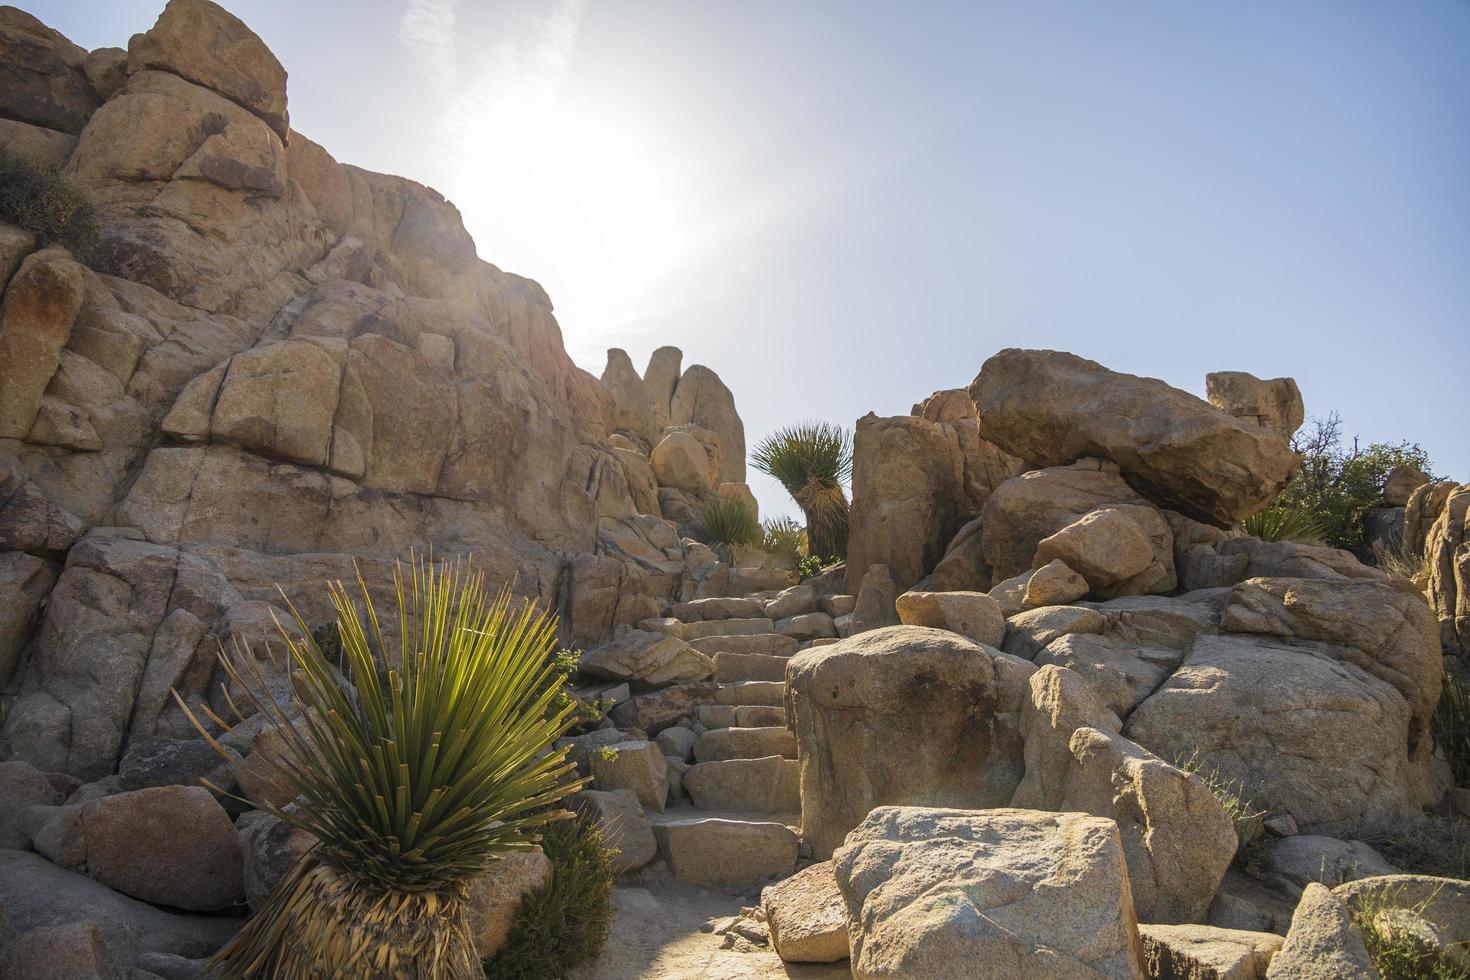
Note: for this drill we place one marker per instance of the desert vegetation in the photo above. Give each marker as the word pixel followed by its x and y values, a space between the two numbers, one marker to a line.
pixel 411 779
pixel 42 201
pixel 812 461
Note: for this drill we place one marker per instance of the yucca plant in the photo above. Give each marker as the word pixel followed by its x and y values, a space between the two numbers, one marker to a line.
pixel 727 521
pixel 1450 725
pixel 812 460
pixel 1286 524
pixel 426 754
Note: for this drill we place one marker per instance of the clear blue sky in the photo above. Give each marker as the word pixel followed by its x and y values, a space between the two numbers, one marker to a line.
pixel 842 206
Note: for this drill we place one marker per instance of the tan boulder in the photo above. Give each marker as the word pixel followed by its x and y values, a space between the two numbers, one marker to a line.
pixel 1029 632
pixel 36 145
pixel 973 615
pixel 1299 733
pixel 1446 551
pixel 1323 943
pixel 42 81
pixel 1122 550
pixel 649 658
pixel 660 379
pixel 1401 483
pixel 64 951
pixel 1177 839
pixel 25 580
pixel 496 895
pixel 868 711
pixel 908 497
pixel 680 461
pixel 618 816
pixel 963 567
pixel 1052 408
pixel 269 848
pixel 107 70
pixel 631 411
pixel 36 318
pixel 806 916
pixel 280 400
pixel 1024 510
pixel 1194 952
pixel 702 399
pixel 1053 584
pixel 636 765
pixel 1275 404
pixel 1121 672
pixel 716 852
pixel 999 893
pixel 207 45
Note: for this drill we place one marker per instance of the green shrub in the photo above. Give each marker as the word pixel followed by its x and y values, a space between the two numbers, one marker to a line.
pixel 410 781
pixel 563 923
pixel 1396 954
pixel 812 460
pixel 1229 793
pixel 1286 524
pixel 809 566
pixel 1450 726
pixel 727 521
pixel 1337 485
pixel 783 537
pixel 40 200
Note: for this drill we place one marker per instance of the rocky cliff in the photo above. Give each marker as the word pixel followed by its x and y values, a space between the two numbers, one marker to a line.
pixel 272 368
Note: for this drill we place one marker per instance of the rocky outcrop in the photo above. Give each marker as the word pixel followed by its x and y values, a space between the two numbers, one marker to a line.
pixel 1051 408
pixel 1274 404
pixel 991 893
pixel 870 711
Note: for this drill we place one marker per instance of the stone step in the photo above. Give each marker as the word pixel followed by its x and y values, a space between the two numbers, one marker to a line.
pixel 700 610
pixel 771 693
pixel 727 627
pixel 744 743
pixel 768 644
pixel 714 851
pixel 734 667
pixel 759 716
pixel 769 785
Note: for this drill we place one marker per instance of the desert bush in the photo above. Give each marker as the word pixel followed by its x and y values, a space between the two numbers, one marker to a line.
pixel 1396 953
pixel 812 460
pixel 727 521
pixel 810 566
pixel 563 923
pixel 39 199
pixel 1450 726
pixel 1336 485
pixel 423 757
pixel 1286 524
pixel 1425 843
pixel 783 537
pixel 1229 794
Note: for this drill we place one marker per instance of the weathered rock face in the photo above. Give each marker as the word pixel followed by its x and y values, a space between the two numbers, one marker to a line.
pixel 936 893
pixel 1052 408
pixel 869 712
pixel 1447 548
pixel 1274 404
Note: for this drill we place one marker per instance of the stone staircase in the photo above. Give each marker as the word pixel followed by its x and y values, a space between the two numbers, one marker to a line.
pixel 738 815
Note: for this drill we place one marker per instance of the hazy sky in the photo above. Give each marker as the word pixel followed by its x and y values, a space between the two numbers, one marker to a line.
pixel 842 206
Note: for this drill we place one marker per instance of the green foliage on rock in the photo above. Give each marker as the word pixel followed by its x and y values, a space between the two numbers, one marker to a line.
pixel 1397 953
pixel 40 200
pixel 727 521
pixel 1336 484
pixel 563 923
pixel 1450 725
pixel 422 753
pixel 783 537
pixel 812 460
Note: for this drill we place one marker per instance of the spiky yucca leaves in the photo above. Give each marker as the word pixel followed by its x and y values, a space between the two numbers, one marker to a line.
pixel 812 460
pixel 415 764
pixel 1286 524
pixel 725 520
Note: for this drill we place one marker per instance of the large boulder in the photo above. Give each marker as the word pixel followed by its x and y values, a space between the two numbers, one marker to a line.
pixel 908 497
pixel 1052 408
pixel 1323 942
pixel 495 896
pixel 1447 551
pixel 1177 838
pixel 42 75
pixel 869 712
pixel 701 398
pixel 1013 894
pixel 681 462
pixel 36 318
pixel 631 411
pixel 206 44
pixel 1126 549
pixel 1300 733
pixel 973 615
pixel 647 658
pixel 806 916
pixel 24 582
pixel 618 816
pixel 1275 404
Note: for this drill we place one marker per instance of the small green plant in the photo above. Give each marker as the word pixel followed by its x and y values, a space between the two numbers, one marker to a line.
pixel 562 924
pixel 809 566
pixel 606 753
pixel 1450 726
pixel 1286 524
pixel 812 460
pixel 1229 793
pixel 783 537
pixel 727 521
pixel 41 200
pixel 1382 919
